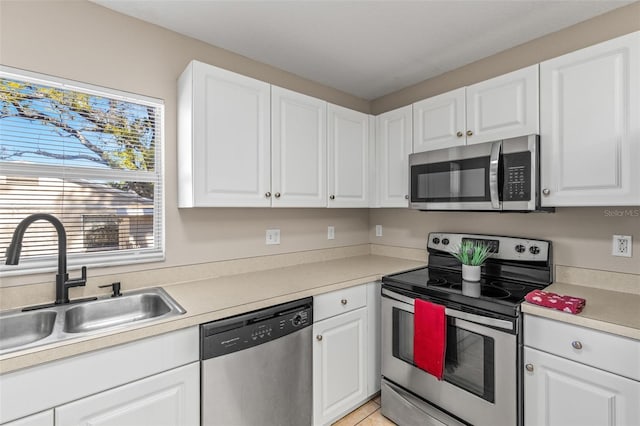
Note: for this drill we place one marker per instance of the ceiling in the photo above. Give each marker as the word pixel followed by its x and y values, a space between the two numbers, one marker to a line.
pixel 363 47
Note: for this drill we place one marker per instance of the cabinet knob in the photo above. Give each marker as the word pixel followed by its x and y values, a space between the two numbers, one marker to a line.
pixel 332 197
pixel 406 197
pixel 267 194
pixel 277 194
pixel 343 301
pixel 546 191
pixel 529 367
pixel 459 134
pixel 576 344
pixel 469 133
pixel 319 337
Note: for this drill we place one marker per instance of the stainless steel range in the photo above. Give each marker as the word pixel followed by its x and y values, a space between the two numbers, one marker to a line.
pixel 482 383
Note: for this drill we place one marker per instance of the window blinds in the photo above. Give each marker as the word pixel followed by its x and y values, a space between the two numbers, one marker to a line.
pixel 88 155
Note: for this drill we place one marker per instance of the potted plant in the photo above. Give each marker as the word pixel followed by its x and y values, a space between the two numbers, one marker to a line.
pixel 472 255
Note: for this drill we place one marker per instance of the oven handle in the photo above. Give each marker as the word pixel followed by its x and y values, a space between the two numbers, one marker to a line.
pixel 493 174
pixel 478 319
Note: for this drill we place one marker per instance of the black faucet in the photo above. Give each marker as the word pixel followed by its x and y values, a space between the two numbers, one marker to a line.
pixel 63 283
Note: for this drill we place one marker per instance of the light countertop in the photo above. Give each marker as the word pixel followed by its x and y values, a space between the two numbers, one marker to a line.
pixel 605 310
pixel 215 298
pixel 211 299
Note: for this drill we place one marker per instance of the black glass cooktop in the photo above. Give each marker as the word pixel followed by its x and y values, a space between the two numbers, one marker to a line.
pixel 490 294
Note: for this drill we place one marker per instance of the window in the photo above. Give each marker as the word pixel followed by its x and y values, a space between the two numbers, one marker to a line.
pixel 88 155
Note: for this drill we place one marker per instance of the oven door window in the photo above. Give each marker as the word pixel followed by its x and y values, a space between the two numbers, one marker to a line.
pixel 451 181
pixel 469 356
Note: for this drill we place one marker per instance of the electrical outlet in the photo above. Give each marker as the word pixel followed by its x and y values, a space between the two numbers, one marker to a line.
pixel 273 236
pixel 331 233
pixel 378 230
pixel 621 245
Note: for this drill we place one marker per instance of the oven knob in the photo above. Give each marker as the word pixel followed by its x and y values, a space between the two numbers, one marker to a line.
pixel 297 320
pixel 534 249
pixel 445 241
pixel 520 248
pixel 436 240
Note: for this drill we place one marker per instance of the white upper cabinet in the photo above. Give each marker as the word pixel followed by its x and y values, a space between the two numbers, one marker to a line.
pixel 590 125
pixel 298 149
pixel 499 108
pixel 503 107
pixel 224 147
pixel 393 146
pixel 439 122
pixel 348 157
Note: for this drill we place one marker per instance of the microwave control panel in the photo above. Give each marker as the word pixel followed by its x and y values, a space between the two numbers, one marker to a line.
pixel 517 176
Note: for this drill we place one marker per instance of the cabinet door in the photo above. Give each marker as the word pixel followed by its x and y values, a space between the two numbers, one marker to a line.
pixel 348 147
pixel 503 107
pixel 393 146
pixel 298 149
pixel 559 392
pixel 439 122
pixel 590 125
pixel 41 419
pixel 171 398
pixel 231 138
pixel 339 365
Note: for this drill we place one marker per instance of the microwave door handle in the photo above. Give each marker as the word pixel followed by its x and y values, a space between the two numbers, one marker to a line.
pixel 494 163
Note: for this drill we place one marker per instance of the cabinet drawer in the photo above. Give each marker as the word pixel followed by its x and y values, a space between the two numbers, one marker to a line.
pixel 339 301
pixel 617 354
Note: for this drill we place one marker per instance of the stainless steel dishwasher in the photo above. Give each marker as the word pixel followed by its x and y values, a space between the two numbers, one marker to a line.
pixel 256 367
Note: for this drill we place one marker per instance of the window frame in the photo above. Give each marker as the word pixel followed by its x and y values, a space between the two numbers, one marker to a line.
pixel 48 263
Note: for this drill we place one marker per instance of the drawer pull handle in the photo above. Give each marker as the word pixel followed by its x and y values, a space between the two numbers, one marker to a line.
pixel 529 367
pixel 343 301
pixel 576 344
pixel 319 337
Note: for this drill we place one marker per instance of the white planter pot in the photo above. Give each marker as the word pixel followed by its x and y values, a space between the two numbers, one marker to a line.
pixel 471 273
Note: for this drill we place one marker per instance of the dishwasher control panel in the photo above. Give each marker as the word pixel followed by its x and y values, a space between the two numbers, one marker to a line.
pixel 247 330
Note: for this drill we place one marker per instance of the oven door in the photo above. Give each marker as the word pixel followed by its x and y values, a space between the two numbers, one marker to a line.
pixel 479 384
pixel 460 178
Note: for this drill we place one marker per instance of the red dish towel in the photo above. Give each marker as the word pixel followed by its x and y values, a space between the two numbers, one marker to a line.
pixel 429 337
pixel 572 305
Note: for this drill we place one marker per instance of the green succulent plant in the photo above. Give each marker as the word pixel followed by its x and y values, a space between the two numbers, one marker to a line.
pixel 472 253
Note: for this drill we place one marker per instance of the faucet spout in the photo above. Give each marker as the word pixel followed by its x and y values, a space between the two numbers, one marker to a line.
pixel 62 278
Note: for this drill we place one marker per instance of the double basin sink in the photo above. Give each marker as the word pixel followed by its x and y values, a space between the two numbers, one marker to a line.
pixel 22 330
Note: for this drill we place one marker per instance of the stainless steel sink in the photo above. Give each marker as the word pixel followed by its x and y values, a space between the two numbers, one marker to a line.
pixel 22 330
pixel 113 312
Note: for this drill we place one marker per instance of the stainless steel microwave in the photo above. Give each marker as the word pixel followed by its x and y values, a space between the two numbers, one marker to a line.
pixel 494 176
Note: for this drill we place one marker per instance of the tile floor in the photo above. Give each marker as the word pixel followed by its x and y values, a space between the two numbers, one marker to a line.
pixel 367 414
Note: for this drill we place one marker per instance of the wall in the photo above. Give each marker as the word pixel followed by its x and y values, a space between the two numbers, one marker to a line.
pixel 82 41
pixel 581 236
pixel 618 22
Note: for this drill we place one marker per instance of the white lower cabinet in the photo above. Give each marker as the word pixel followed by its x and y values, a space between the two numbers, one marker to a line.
pixel 581 382
pixel 171 398
pixel 344 361
pixel 41 419
pixel 339 365
pixel 152 381
pixel 559 392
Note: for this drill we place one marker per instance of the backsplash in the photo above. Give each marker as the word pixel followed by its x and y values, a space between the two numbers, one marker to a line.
pixel 581 237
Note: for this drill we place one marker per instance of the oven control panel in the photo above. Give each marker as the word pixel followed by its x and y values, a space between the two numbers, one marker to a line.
pixel 505 248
